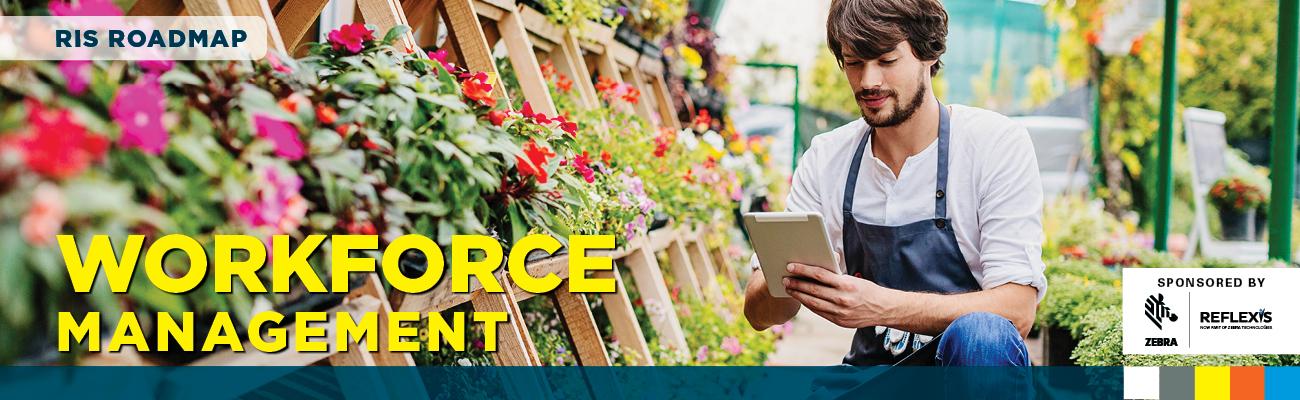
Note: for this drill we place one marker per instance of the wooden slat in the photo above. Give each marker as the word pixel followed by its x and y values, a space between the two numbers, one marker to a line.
pixel 161 8
pixel 239 8
pixel 680 265
pixel 490 11
pixel 577 69
pixel 642 107
pixel 514 346
pixel 578 322
pixel 468 40
pixel 537 23
pixel 558 265
pixel 654 294
pixel 704 271
pixel 385 14
pixel 622 318
pixel 527 71
pixel 666 109
pixel 660 239
pixel 296 18
pixel 596 32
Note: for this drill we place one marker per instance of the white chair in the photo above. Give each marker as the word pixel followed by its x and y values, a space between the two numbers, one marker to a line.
pixel 1206 144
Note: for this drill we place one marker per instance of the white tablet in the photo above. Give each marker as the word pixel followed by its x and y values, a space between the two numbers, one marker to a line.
pixel 780 238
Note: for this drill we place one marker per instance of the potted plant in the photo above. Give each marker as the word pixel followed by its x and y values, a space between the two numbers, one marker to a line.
pixel 1237 199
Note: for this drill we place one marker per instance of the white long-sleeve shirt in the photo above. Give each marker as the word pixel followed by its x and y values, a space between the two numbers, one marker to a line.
pixel 994 195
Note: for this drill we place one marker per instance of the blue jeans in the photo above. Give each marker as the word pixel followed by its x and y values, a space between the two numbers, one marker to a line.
pixel 984 340
pixel 981 339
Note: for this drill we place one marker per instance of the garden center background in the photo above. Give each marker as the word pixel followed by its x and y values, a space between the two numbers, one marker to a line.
pixel 657 121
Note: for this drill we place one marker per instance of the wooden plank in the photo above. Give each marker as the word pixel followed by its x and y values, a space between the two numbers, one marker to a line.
pixel 468 39
pixel 660 239
pixel 642 107
pixel 682 270
pixel 489 10
pixel 666 109
pixel 622 318
pixel 514 346
pixel 527 71
pixel 577 69
pixel 596 32
pixel 296 19
pixel 704 271
pixel 578 322
pixel 537 23
pixel 440 297
pixel 558 265
pixel 385 14
pixel 251 8
pixel 161 8
pixel 649 281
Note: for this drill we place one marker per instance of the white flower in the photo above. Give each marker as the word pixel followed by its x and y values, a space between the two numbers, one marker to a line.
pixel 687 138
pixel 464 362
pixel 713 139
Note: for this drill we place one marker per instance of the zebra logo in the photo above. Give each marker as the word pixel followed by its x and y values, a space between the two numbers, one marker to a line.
pixel 1157 311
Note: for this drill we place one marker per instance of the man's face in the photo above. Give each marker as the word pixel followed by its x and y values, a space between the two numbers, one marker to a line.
pixel 888 89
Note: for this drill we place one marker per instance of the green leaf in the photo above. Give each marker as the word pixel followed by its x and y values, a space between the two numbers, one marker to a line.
pixel 180 77
pixel 395 32
pixel 16 285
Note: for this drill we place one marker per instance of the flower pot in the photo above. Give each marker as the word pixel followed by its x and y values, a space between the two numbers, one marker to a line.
pixel 1238 225
pixel 1261 224
pixel 627 35
pixel 1058 345
pixel 660 221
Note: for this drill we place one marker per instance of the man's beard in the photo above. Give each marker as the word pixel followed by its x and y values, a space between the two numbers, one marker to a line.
pixel 902 112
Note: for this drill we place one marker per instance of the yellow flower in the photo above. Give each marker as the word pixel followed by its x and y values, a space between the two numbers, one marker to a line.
pixel 690 56
pixel 736 146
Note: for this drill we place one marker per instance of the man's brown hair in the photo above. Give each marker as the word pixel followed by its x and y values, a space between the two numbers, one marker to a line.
pixel 871 28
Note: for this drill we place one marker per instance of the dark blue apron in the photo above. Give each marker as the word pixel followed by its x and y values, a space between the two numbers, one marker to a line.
pixel 922 256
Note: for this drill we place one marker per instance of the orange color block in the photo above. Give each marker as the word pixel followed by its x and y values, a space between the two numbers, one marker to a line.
pixel 1247 383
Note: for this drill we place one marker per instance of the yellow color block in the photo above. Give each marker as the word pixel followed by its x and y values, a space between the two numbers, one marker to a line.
pixel 1213 383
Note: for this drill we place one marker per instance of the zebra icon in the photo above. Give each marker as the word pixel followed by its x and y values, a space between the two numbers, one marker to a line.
pixel 1157 311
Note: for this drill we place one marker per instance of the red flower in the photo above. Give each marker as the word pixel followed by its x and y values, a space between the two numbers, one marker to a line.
pixel 548 70
pixel 351 36
pixel 57 146
pixel 567 126
pixel 441 57
pixel 632 95
pixel 563 83
pixel 537 117
pixel 1092 37
pixel 477 89
pixel 702 120
pixel 326 114
pixel 605 84
pixel 690 176
pixel 534 161
pixel 497 117
pixel 605 157
pixel 582 163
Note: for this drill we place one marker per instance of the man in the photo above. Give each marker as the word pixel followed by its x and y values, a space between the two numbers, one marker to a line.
pixel 934 210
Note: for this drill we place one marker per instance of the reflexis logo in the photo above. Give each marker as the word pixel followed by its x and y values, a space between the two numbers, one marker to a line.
pixel 1157 311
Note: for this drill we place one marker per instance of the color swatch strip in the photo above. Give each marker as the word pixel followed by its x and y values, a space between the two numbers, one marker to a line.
pixel 1212 383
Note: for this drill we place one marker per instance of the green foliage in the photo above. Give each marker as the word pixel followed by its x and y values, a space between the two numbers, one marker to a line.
pixel 575 13
pixel 1071 299
pixel 1236 62
pixel 828 87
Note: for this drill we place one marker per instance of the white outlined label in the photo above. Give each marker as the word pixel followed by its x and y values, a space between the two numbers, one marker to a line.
pixel 1211 310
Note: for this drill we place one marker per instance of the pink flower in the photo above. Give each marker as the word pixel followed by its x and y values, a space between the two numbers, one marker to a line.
pixel 156 67
pixel 276 64
pixel 138 109
pixel 702 355
pixel 45 217
pixel 77 74
pixel 732 345
pixel 283 134
pixel 440 56
pixel 276 203
pixel 351 36
pixel 582 163
pixel 84 8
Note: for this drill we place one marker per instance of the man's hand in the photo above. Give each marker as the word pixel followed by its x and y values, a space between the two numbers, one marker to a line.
pixel 847 301
pixel 761 309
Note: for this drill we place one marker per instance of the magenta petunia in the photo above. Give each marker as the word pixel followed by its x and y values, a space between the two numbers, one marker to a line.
pixel 84 8
pixel 281 133
pixel 77 74
pixel 138 109
pixel 351 36
pixel 156 67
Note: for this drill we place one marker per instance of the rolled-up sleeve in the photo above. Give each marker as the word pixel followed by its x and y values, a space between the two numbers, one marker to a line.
pixel 1010 213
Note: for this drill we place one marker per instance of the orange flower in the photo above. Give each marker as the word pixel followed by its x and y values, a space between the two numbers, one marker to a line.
pixel 326 114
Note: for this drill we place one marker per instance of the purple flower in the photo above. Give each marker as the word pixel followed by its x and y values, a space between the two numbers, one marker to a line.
pixel 283 134
pixel 138 109
pixel 622 10
pixel 77 74
pixel 84 8
pixel 702 355
pixel 732 345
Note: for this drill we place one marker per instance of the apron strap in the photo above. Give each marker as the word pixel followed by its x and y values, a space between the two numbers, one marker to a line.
pixel 851 185
pixel 941 179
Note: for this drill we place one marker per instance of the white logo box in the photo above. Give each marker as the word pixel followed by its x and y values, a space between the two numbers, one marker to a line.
pixel 1275 290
